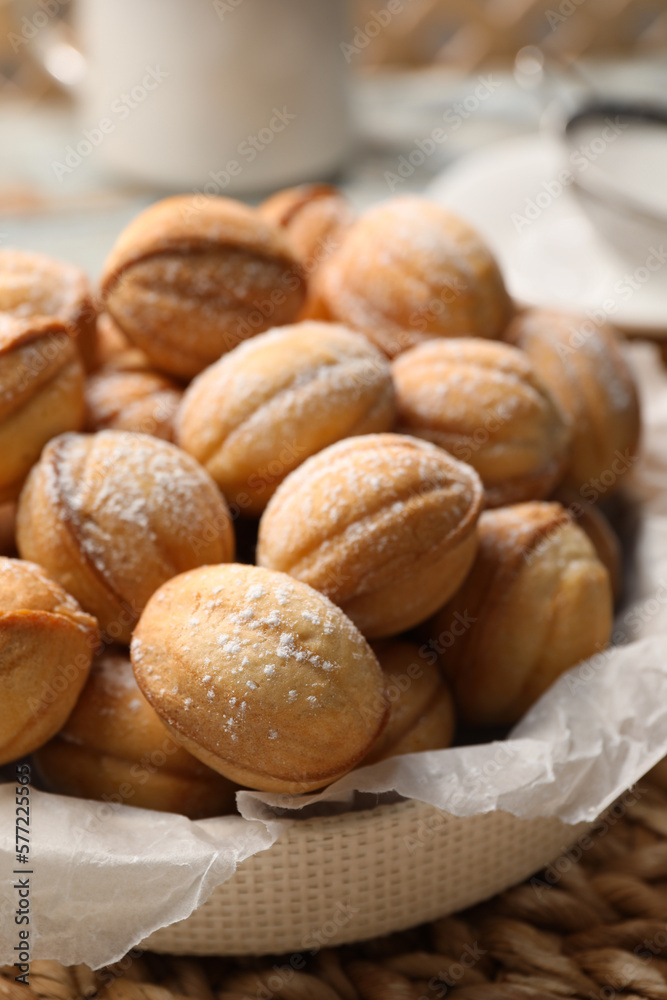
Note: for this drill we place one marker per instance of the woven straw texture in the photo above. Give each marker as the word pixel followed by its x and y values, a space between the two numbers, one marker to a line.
pixel 357 876
pixel 470 34
pixel 589 928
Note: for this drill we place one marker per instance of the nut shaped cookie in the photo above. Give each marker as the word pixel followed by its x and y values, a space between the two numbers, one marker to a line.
pixel 141 401
pixel 114 747
pixel 581 363
pixel 259 412
pixel 409 270
pixel 46 647
pixel 421 714
pixel 537 602
pixel 315 218
pixel 114 515
pixel 260 677
pixel 189 279
pixel 597 526
pixel 382 524
pixel 115 350
pixel 32 284
pixel 41 393
pixel 483 402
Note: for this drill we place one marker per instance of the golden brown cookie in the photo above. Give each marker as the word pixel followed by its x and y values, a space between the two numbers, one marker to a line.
pixel 114 515
pixel 41 393
pixel 407 271
pixel 260 677
pixel 582 365
pixel 142 401
pixel 536 602
pixel 596 525
pixel 32 284
pixel 115 748
pixel 187 282
pixel 269 404
pixel 115 350
pixel 421 714
pixel 384 525
pixel 483 402
pixel 46 646
pixel 315 217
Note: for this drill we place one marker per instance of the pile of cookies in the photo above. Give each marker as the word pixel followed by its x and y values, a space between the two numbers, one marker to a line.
pixel 291 492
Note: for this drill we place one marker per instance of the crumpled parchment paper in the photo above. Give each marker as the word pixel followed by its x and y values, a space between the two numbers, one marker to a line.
pixel 105 877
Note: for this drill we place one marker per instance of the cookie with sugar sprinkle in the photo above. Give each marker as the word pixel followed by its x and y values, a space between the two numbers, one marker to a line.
pixel 409 270
pixel 192 277
pixel 260 677
pixel 113 515
pixel 383 524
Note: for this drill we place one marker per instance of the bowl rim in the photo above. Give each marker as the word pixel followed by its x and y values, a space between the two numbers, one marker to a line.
pixel 604 191
pixel 326 859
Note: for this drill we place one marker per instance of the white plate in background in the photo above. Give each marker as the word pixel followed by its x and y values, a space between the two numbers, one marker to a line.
pixel 545 244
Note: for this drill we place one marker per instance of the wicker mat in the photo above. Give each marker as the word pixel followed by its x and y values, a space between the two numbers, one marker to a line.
pixel 593 924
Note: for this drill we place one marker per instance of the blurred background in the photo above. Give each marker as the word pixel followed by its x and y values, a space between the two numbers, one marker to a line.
pixel 106 105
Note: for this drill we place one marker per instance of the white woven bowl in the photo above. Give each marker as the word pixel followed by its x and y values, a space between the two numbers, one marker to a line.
pixel 333 880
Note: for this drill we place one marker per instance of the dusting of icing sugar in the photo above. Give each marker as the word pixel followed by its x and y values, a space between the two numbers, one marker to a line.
pixel 231 648
pixel 248 680
pixel 329 502
pixel 247 394
pixel 117 484
pixel 115 672
pixel 287 648
pixel 33 284
pixel 242 616
pixel 283 594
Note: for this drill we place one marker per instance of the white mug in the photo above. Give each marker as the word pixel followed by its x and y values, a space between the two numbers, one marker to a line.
pixel 222 96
